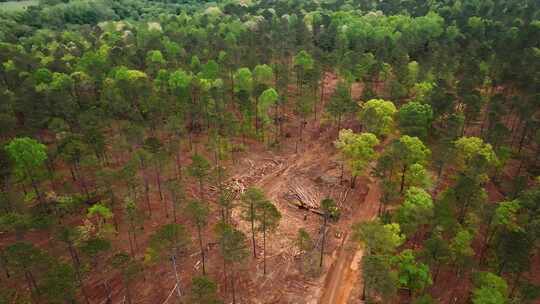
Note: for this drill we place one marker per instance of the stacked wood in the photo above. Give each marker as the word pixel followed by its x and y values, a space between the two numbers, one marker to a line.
pixel 303 197
pixel 309 198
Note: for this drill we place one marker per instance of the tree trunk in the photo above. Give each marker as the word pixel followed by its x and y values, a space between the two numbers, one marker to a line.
pixel 201 192
pixel 463 211
pixel 233 287
pixel 73 175
pixel 3 260
pixel 74 256
pixel 32 281
pixel 128 292
pixel 252 216
pixel 36 190
pixel 515 285
pixel 131 244
pixel 323 240
pixel 113 204
pixel 523 136
pixel 225 275
pixel 161 198
pixel 321 101
pixel 437 271
pixel 202 249
pixel 299 138
pixel 178 165
pixel 173 201
pixel 147 193
pixel 256 116
pixel 403 178
pixel 232 85
pixel 177 278
pixel 364 291
pixel 264 246
pixel 109 293
pixel 77 266
pixel 353 181
pixel 341 175
pixel 134 235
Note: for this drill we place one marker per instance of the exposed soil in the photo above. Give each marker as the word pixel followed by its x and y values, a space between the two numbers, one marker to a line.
pixel 287 175
pixel 313 169
pixel 344 275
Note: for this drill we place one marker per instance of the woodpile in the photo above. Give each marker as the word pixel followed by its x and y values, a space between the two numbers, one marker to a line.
pixel 239 184
pixel 304 198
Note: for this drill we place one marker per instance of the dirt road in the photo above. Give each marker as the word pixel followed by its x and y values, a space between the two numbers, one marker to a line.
pixel 344 273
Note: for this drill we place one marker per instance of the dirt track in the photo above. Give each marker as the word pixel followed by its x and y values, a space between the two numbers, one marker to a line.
pixel 344 273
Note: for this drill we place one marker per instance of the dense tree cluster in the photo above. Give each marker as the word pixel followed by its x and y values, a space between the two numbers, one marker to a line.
pixel 102 103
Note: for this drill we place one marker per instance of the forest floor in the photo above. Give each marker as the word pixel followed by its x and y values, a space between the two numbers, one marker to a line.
pixel 314 171
pixel 344 275
pixel 296 173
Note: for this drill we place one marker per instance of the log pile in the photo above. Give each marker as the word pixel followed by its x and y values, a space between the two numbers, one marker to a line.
pixel 303 197
pixel 239 184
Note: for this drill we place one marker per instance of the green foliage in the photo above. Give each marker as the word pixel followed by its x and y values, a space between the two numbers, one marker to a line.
pixel 341 102
pixel 22 256
pixel 27 154
pixel 120 85
pixel 475 156
pixel 199 167
pixel 377 116
pixel 243 80
pixel 154 57
pixel 304 60
pixel 357 149
pixel 204 291
pixel 129 268
pixel 436 248
pixel 461 248
pixel 378 238
pixel 179 81
pixel 232 243
pixel 263 74
pixel 417 210
pixel 59 283
pixel 424 299
pixel 417 176
pixel 167 241
pixel 94 246
pixel 17 6
pixel 414 119
pixel 15 222
pixel 198 212
pixel 412 274
pixel 379 277
pixel 303 240
pixel 267 99
pixel 252 198
pixel 506 215
pixel 99 210
pixel 268 216
pixel 210 70
pixel 410 150
pixel 490 289
pixel 330 209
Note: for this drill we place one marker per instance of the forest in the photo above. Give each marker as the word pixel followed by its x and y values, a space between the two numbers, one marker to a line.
pixel 270 151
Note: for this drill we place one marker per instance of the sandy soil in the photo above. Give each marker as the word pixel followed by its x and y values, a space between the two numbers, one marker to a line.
pixel 344 274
